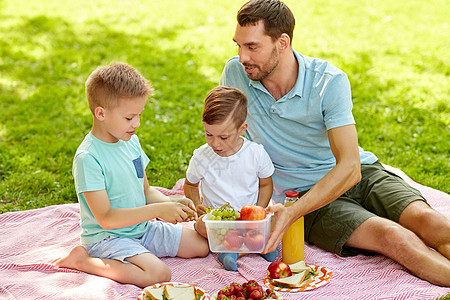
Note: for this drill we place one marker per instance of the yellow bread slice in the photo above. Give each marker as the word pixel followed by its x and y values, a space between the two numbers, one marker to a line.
pixel 305 282
pixel 299 267
pixel 291 281
pixel 179 293
pixel 154 294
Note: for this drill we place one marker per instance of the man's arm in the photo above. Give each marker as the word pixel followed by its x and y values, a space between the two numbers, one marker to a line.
pixel 347 172
pixel 265 191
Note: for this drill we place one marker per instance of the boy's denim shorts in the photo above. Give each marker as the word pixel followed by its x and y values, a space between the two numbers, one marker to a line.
pixel 379 193
pixel 161 239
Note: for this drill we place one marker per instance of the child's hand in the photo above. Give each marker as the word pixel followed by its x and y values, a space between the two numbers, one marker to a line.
pixel 188 202
pixel 175 212
pixel 201 209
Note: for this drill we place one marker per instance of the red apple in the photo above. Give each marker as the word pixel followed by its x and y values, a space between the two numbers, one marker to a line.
pixel 252 213
pixel 254 240
pixel 278 269
pixel 232 241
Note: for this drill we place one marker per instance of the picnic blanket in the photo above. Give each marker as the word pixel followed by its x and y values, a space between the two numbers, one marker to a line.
pixel 31 240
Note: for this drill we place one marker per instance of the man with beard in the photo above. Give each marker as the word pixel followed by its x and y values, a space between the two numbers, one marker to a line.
pixel 300 109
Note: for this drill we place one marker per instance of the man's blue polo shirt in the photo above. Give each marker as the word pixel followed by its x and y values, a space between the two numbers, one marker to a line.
pixel 293 129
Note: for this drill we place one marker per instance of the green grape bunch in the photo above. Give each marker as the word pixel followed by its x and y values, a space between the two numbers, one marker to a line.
pixel 219 234
pixel 224 213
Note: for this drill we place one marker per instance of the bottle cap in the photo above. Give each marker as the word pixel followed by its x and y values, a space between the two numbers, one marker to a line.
pixel 291 194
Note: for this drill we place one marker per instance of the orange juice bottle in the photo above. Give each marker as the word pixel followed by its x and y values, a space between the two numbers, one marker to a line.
pixel 293 243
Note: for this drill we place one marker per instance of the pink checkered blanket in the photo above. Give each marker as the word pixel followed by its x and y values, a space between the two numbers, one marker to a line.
pixel 31 240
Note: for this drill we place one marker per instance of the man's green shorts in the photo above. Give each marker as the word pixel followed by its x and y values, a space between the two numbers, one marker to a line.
pixel 379 193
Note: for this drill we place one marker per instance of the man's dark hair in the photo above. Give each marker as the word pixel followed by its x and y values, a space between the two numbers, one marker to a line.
pixel 277 17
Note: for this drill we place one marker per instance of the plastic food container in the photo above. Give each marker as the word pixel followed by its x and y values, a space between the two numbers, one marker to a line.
pixel 238 236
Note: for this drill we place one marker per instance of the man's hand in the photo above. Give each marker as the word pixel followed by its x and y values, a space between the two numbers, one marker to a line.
pixel 283 216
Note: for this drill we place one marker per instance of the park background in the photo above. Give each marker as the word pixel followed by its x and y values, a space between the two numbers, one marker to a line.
pixel 396 54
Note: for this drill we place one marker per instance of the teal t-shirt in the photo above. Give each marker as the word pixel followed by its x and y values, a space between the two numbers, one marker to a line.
pixel 117 168
pixel 293 129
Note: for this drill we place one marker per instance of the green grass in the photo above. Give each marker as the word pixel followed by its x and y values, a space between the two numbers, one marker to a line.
pixel 395 53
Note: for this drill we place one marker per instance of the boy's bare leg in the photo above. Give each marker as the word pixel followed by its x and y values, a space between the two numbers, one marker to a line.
pixel 192 244
pixel 142 270
pixel 431 226
pixel 72 259
pixel 404 246
pixel 200 227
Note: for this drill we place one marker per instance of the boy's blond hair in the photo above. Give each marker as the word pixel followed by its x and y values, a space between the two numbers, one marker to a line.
pixel 107 84
pixel 223 102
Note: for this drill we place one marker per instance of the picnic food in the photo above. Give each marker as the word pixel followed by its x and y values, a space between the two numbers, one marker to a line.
pixel 295 281
pixel 154 294
pixel 179 293
pixel 278 269
pixel 302 276
pixel 171 292
pixel 246 234
pixel 254 239
pixel 232 240
pixel 299 267
pixel 247 290
pixel 225 212
pixel 252 213
pixel 293 249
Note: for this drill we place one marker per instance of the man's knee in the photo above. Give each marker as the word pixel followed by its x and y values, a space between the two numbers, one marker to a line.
pixel 395 234
pixel 380 235
pixel 390 237
pixel 427 218
pixel 425 221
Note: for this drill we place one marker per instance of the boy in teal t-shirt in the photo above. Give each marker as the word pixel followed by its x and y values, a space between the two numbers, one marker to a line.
pixel 116 200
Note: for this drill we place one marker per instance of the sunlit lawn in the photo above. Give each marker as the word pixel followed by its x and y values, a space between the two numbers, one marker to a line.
pixel 395 53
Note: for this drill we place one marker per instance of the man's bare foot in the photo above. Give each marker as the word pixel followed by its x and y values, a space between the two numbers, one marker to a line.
pixel 72 260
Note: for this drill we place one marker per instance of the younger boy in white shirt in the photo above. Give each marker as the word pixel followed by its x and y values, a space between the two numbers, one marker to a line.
pixel 228 168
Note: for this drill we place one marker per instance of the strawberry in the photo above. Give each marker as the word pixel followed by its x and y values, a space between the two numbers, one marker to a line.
pixel 232 290
pixel 270 294
pixel 250 287
pixel 227 291
pixel 256 294
pixel 237 287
